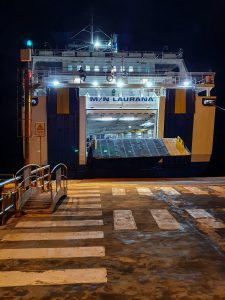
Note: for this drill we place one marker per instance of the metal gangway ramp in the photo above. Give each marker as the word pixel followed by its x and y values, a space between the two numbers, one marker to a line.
pixel 33 189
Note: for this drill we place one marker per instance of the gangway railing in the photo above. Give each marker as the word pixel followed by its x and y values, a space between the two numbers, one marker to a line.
pixel 58 183
pixel 29 180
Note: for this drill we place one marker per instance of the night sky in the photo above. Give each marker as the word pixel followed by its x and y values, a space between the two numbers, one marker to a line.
pixel 198 27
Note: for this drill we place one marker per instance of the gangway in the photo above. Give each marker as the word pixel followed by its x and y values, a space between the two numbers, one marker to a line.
pixel 33 189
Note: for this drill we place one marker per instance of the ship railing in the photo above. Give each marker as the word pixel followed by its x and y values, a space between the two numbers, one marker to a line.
pixel 29 180
pixel 190 78
pixel 132 54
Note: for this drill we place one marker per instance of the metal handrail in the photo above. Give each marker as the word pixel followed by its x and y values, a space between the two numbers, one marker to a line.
pixel 63 177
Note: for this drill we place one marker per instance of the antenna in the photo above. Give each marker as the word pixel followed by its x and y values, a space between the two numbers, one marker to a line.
pixel 100 44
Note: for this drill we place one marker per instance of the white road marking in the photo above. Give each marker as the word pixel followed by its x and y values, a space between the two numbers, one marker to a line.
pixel 118 192
pixel 169 191
pixel 211 222
pixel 32 224
pixel 144 191
pixel 65 252
pixel 70 205
pixel 82 191
pixel 53 277
pixel 199 213
pixel 196 190
pixel 218 189
pixel 85 213
pixel 164 219
pixel 45 236
pixel 75 195
pixel 124 220
pixel 75 200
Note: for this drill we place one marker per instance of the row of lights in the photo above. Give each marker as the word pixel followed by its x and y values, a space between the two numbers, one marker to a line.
pixel 120 83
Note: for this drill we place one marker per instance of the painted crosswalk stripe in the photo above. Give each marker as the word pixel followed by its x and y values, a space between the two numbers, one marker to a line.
pixel 82 195
pixel 86 213
pixel 199 213
pixel 144 191
pixel 53 277
pixel 124 220
pixel 86 200
pixel 65 252
pixel 196 190
pixel 67 223
pixel 83 191
pixel 45 236
pixel 164 219
pixel 169 191
pixel 211 222
pixel 118 192
pixel 74 205
pixel 205 218
pixel 218 189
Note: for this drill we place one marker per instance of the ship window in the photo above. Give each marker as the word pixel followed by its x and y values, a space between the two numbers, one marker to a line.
pixel 87 68
pixel 162 68
pixel 114 68
pixel 96 68
pixel 131 69
pixel 70 68
pixel 122 68
pixel 105 68
pixel 78 67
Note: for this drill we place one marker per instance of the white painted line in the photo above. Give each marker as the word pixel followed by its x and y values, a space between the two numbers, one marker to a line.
pixel 118 192
pixel 212 223
pixel 218 189
pixel 169 191
pixel 53 277
pixel 74 205
pixel 86 213
pixel 75 195
pixel 196 190
pixel 45 236
pixel 164 219
pixel 65 252
pixel 199 213
pixel 144 191
pixel 75 200
pixel 124 220
pixel 68 223
pixel 83 191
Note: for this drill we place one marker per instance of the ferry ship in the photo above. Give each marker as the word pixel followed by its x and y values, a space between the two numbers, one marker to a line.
pixel 105 112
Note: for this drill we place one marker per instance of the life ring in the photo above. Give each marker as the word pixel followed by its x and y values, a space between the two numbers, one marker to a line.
pixel 109 77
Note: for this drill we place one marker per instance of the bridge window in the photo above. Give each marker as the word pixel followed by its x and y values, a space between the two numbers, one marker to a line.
pixel 122 68
pixel 78 67
pixel 87 68
pixel 70 68
pixel 96 68
pixel 131 69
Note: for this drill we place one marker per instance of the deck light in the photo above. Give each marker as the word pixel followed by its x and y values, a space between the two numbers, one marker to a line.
pixel 186 83
pixel 120 83
pixel 149 83
pixel 97 44
pixel 55 82
pixel 95 83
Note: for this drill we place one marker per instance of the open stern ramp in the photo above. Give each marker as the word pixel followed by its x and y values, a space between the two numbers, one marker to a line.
pixel 135 148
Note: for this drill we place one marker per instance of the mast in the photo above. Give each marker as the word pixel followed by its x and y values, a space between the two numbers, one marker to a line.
pixel 92 29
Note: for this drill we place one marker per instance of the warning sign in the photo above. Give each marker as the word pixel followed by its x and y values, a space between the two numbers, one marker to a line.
pixel 40 129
